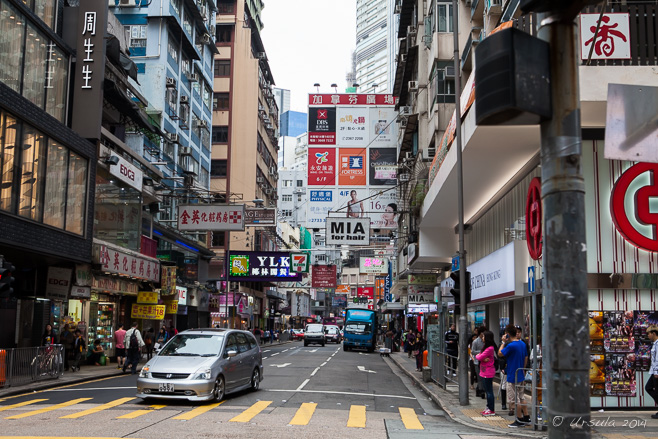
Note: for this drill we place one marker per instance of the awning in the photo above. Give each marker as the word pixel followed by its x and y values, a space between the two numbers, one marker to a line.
pixel 408 137
pixel 389 307
pixel 115 96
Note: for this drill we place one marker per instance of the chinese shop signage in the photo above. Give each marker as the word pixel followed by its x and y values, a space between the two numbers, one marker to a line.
pixel 613 39
pixel 370 265
pixel 128 264
pixel 149 312
pixel 211 217
pixel 168 280
pixel 261 266
pixel 147 297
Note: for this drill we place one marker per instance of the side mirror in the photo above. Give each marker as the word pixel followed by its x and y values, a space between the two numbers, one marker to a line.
pixel 231 353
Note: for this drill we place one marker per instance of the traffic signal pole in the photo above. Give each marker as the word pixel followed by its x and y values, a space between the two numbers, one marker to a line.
pixel 462 327
pixel 566 329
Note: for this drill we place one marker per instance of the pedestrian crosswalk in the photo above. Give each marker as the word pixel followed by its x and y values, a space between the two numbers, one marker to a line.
pixel 356 417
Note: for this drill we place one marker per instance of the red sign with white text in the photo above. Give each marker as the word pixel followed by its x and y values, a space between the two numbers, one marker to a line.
pixel 351 99
pixel 322 166
pixel 323 276
pixel 368 292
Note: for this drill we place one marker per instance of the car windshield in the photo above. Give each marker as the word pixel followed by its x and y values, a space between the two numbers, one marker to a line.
pixel 194 345
pixel 314 328
pixel 332 331
pixel 358 328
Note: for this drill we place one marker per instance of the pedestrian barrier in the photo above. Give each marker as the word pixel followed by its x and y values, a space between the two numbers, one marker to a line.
pixel 444 369
pixel 533 388
pixel 25 365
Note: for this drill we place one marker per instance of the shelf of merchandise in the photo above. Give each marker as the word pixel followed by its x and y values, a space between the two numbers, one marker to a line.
pixel 101 326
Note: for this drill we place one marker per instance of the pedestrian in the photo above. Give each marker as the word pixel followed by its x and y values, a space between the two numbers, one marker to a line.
pixel 516 354
pixel 148 341
pixel 67 338
pixel 420 350
pixel 119 336
pixel 79 346
pixel 405 343
pixel 133 348
pixel 471 360
pixel 257 334
pixel 49 337
pixel 96 353
pixel 451 338
pixel 488 370
pixel 162 338
pixel 411 339
pixel 476 349
pixel 652 384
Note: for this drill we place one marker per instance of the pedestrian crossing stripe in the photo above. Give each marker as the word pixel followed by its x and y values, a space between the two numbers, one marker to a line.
pixel 197 411
pixel 21 404
pixel 138 413
pixel 357 416
pixel 410 419
pixel 252 411
pixel 48 409
pixel 304 414
pixel 100 408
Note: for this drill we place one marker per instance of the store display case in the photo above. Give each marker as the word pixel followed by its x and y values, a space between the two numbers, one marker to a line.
pixel 101 326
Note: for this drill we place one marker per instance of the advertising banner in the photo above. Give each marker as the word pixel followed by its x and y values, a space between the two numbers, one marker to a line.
pixel 346 231
pixel 321 166
pixel 383 128
pixel 126 262
pixel 261 267
pixel 352 167
pixel 299 262
pixel 382 166
pixel 352 127
pixel 368 292
pixel 382 208
pixel 323 276
pixel 259 216
pixel 211 217
pixel 59 283
pixel 168 280
pixel 373 265
pixel 421 279
pixel 171 307
pixel 322 126
pixel 350 99
pixel 150 312
pixel 147 297
pixel 339 301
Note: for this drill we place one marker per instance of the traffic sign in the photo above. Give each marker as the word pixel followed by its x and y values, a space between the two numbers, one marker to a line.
pixel 531 279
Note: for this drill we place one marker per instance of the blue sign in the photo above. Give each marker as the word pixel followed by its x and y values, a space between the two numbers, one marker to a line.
pixel 455 263
pixel 531 279
pixel 356 162
pixel 323 196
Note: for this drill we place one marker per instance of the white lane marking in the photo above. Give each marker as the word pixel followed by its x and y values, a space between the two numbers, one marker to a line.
pixel 265 358
pixel 281 365
pixel 303 384
pixel 315 371
pixel 363 369
pixel 328 358
pixel 338 393
pixel 314 350
pixel 266 350
pixel 285 350
pixel 323 364
pixel 91 388
pixel 277 353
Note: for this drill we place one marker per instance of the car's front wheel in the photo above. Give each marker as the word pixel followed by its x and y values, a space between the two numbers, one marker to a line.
pixel 220 389
pixel 255 380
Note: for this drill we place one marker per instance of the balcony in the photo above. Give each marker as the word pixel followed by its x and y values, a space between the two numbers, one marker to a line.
pixel 474 39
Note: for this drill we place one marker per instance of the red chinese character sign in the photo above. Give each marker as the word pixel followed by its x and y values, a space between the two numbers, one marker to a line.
pixel 211 217
pixel 612 41
pixel 322 166
pixel 631 205
pixel 533 219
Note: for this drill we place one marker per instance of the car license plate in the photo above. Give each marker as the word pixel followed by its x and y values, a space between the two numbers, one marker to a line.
pixel 166 387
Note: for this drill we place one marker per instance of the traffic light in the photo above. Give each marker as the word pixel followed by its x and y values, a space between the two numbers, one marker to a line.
pixel 6 279
pixel 456 289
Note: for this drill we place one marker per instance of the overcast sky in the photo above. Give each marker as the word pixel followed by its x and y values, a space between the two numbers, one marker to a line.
pixel 309 41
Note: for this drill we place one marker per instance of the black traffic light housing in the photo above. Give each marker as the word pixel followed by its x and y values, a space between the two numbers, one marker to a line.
pixel 456 289
pixel 6 279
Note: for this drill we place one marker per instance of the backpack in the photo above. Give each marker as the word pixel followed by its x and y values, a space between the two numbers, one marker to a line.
pixel 80 344
pixel 134 343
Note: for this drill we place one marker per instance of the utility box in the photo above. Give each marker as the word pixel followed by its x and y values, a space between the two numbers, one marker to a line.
pixel 512 79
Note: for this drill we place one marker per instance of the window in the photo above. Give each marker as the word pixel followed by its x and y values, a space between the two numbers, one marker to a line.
pixel 187 22
pixel 299 198
pixel 226 6
pixel 444 17
pixel 175 5
pixel 222 67
pixel 285 198
pixel 221 101
pixel 136 35
pixel 220 134
pixel 172 49
pixel 218 239
pixel 207 96
pixel 186 66
pixel 223 33
pixel 218 168
pixel 287 183
pixel 286 213
pixel 300 183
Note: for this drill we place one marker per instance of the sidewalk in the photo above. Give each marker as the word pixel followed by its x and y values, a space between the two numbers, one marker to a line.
pixel 608 424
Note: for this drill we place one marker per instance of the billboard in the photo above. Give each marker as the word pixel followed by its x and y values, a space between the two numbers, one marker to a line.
pixel 261 267
pixel 352 170
pixel 373 265
pixel 346 231
pixel 322 126
pixel 211 217
pixel 383 128
pixel 383 166
pixel 352 126
pixel 321 166
pixel 323 276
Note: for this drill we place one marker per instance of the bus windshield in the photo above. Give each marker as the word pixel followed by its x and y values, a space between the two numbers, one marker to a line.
pixel 358 328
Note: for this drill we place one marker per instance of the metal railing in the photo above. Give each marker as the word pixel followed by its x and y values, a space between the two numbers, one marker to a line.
pixel 532 386
pixel 444 369
pixel 25 365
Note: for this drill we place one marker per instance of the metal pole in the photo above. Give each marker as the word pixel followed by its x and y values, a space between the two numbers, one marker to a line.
pixel 566 358
pixel 463 342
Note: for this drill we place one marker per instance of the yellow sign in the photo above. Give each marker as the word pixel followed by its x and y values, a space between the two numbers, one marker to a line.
pixel 150 312
pixel 168 280
pixel 147 297
pixel 172 307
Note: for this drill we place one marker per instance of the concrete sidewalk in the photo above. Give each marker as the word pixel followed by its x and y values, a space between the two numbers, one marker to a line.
pixel 608 424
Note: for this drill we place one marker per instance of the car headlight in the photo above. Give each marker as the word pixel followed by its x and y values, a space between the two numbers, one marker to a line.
pixel 203 374
pixel 144 373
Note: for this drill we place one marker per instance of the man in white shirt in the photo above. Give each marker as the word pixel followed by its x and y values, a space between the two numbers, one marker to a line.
pixel 652 384
pixel 133 348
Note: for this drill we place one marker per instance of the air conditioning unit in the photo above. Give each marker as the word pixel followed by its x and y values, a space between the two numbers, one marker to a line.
pixel 261 55
pixel 495 6
pixel 206 39
pixel 403 57
pixel 450 72
pixel 260 179
pixel 185 150
pixel 272 170
pixel 126 3
pixel 431 152
pixel 405 110
pixel 413 85
pixel 203 10
pixel 411 31
pixel 172 137
pixel 193 77
pixel 184 99
pixel 171 82
pixel 398 9
pixel 403 124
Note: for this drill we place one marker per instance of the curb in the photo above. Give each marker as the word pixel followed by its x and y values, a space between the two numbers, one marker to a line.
pixel 444 406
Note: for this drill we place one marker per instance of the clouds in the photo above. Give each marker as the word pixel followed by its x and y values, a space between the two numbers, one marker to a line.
pixel 309 41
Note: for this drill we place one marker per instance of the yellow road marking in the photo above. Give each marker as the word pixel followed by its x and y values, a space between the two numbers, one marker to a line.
pixel 48 409
pixel 252 411
pixel 197 411
pixel 410 419
pixel 357 416
pixel 91 411
pixel 58 437
pixel 137 413
pixel 304 414
pixel 60 387
pixel 21 404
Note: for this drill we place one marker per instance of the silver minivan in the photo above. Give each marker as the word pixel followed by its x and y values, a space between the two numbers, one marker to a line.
pixel 202 365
